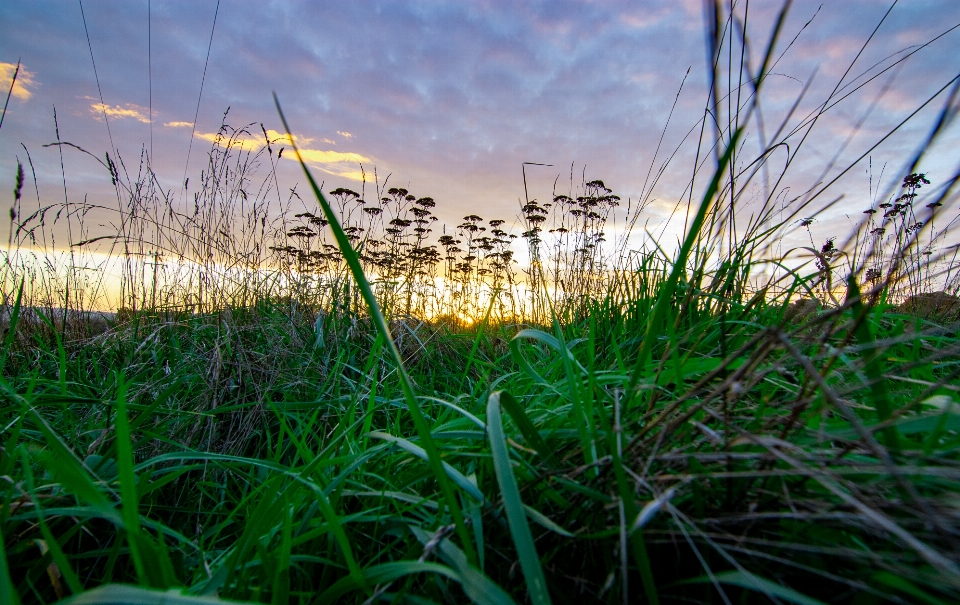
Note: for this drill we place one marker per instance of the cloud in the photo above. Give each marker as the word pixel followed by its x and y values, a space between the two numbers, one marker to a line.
pixel 241 144
pixel 24 80
pixel 282 138
pixel 334 162
pixel 343 164
pixel 178 124
pixel 129 111
pixel 353 175
pixel 328 141
pixel 253 143
pixel 339 163
pixel 344 134
pixel 316 156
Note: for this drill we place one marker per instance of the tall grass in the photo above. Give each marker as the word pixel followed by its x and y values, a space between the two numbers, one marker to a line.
pixel 292 407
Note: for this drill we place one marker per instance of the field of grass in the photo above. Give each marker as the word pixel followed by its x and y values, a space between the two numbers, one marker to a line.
pixel 335 406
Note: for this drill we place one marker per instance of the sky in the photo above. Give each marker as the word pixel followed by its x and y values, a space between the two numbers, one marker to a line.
pixel 450 98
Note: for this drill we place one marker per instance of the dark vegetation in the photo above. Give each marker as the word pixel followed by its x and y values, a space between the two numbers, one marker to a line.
pixel 292 408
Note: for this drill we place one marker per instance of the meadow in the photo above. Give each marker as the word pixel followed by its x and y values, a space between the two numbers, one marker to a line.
pixel 352 404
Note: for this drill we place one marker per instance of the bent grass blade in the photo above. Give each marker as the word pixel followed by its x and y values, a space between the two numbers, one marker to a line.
pixel 516 513
pixel 420 422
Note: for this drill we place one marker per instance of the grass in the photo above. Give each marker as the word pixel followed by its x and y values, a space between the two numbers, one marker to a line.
pixel 292 408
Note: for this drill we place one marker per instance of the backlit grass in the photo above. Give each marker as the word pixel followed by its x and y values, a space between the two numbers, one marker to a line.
pixel 348 404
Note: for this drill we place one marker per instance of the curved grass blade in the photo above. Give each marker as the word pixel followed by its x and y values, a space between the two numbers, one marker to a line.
pixel 745 579
pixel 65 465
pixel 669 286
pixel 122 594
pixel 59 558
pixel 906 586
pixel 546 522
pixel 419 421
pixel 477 586
pixel 540 336
pixel 455 475
pixel 381 574
pixel 526 426
pixel 573 372
pixel 516 514
pixel 77 481
pixel 479 423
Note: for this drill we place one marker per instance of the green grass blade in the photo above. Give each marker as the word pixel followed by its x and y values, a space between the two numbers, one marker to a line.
pixel 542 337
pixel 745 579
pixel 281 580
pixel 873 364
pixel 66 467
pixel 12 328
pixel 546 522
pixel 526 426
pixel 456 476
pixel 76 480
pixel 121 594
pixel 381 574
pixel 477 586
pixel 51 541
pixel 459 410
pixel 476 341
pixel 516 514
pixel 374 382
pixel 907 587
pixel 8 592
pixel 669 286
pixel 420 422
pixel 130 508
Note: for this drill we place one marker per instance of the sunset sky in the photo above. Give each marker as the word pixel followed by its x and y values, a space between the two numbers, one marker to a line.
pixel 450 98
